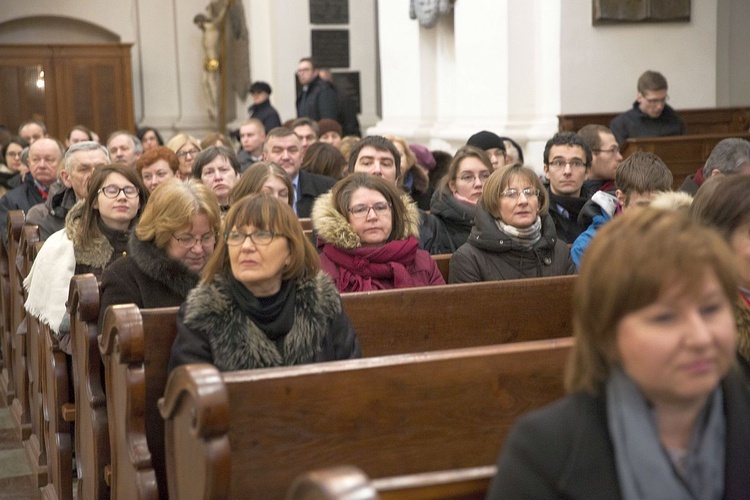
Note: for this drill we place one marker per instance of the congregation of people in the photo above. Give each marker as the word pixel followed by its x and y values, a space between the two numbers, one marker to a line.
pixel 255 234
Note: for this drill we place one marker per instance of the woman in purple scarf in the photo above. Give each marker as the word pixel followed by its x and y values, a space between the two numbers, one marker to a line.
pixel 367 234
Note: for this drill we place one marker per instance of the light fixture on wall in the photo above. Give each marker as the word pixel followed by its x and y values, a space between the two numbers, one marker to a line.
pixel 40 81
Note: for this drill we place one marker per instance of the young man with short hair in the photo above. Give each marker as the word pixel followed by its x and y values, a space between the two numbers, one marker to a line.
pixel 252 136
pixel 605 157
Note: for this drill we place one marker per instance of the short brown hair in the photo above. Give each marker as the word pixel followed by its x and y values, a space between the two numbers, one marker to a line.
pixel 267 212
pixel 644 250
pixel 642 172
pixel 251 181
pixel 651 81
pixel 155 154
pixel 462 154
pixel 724 205
pixel 499 182
pixel 324 159
pixel 342 191
pixel 172 206
pixel 591 135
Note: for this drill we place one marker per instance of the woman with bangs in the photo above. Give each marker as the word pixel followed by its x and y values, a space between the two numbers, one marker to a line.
pixel 263 300
pixel 168 250
pixel 264 177
pixel 657 407
pixel 513 236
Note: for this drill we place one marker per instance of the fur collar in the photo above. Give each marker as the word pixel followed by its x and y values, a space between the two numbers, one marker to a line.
pixel 160 267
pixel 333 228
pixel 94 253
pixel 239 344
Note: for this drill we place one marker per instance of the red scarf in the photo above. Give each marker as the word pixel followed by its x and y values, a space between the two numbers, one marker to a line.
pixel 374 268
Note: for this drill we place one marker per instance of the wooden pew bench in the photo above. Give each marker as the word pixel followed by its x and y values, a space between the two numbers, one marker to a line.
pixel 6 368
pixel 248 434
pixel 697 121
pixel 345 482
pixel 461 315
pixel 683 154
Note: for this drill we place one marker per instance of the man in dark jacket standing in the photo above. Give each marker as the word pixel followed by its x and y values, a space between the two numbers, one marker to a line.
pixel 261 108
pixel 318 97
pixel 650 115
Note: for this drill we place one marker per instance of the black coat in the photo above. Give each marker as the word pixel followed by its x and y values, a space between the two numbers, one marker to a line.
pixel 635 123
pixel 490 255
pixel 50 215
pixel 23 198
pixel 309 187
pixel 146 277
pixel 265 113
pixel 456 218
pixel 320 101
pixel 564 450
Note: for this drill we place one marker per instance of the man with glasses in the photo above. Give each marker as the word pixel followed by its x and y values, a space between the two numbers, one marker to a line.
pixel 124 148
pixel 44 159
pixel 650 115
pixel 318 97
pixel 567 159
pixel 604 159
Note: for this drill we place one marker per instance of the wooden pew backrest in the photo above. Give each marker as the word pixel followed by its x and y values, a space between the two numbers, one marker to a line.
pixel 389 416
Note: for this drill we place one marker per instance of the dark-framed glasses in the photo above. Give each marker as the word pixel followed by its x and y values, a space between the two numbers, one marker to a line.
pixel 379 208
pixel 189 241
pixel 574 163
pixel 112 191
pixel 260 237
pixel 514 194
pixel 657 100
pixel 189 152
pixel 613 150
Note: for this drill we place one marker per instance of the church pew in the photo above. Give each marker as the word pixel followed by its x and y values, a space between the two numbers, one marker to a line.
pixel 20 405
pixel 346 482
pixel 460 315
pixel 36 452
pixel 7 392
pixel 248 434
pixel 683 154
pixel 306 224
pixel 443 261
pixel 135 362
pixel 92 449
pixel 135 346
pixel 697 121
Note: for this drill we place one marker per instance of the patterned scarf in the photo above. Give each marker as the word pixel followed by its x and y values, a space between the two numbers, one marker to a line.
pixel 374 268
pixel 523 236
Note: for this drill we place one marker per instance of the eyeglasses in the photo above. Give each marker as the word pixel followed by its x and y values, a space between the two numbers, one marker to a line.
pixel 655 100
pixel 260 237
pixel 113 191
pixel 379 208
pixel 14 154
pixel 574 163
pixel 613 150
pixel 188 241
pixel 470 178
pixel 514 194
pixel 189 152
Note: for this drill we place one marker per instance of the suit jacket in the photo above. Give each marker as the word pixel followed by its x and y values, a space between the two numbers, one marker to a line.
pixel 309 187
pixel 564 450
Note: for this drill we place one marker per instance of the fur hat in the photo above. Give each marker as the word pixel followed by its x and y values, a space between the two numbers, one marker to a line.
pixel 328 125
pixel 485 140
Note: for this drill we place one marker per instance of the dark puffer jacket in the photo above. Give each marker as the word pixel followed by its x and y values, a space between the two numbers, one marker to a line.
pixel 456 218
pixel 490 255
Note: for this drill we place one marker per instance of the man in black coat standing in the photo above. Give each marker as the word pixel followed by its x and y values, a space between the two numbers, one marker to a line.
pixel 318 98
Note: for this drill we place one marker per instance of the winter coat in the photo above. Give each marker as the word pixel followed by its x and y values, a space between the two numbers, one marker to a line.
pixel 266 113
pixel 490 255
pixel 333 229
pixel 635 123
pixel 319 101
pixel 50 215
pixel 211 328
pixel 456 218
pixel 146 277
pixel 23 198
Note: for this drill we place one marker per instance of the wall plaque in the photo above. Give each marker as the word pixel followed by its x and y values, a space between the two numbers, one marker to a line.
pixel 640 11
pixel 329 11
pixel 330 48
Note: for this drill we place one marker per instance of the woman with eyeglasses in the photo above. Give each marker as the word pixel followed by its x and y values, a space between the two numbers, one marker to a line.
pixel 368 237
pixel 168 250
pixel 513 236
pixel 454 202
pixel 186 147
pixel 13 170
pixel 95 235
pixel 263 301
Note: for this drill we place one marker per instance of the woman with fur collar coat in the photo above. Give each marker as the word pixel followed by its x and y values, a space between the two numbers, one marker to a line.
pixel 367 234
pixel 95 235
pixel 167 251
pixel 263 301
